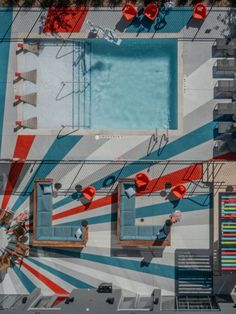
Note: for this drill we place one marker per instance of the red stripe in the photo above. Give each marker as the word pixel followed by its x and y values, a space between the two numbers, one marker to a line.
pixel 228 216
pixel 228 156
pixel 101 202
pixel 49 283
pixel 61 20
pixel 190 173
pixel 228 234
pixel 228 253
pixel 22 148
pixel 228 200
pixel 228 268
pixel 181 176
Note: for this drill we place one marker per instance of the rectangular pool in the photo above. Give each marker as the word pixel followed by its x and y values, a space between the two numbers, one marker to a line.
pixel 94 85
pixel 134 85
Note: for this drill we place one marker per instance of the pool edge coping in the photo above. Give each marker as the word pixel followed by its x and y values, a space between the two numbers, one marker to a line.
pixel 115 133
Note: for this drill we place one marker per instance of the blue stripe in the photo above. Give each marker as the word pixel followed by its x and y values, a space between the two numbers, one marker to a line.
pixel 186 142
pixel 5 22
pixel 165 271
pixel 93 220
pixel 154 269
pixel 57 151
pixel 28 284
pixel 71 280
pixel 199 202
pixel 227 212
pixel 229 230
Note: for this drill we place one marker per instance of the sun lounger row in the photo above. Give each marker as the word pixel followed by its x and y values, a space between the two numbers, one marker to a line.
pixel 31 99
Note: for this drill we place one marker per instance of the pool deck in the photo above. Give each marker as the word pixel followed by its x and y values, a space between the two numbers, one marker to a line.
pixel 72 157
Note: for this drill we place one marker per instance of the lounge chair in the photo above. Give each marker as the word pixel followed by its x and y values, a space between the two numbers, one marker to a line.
pixel 151 11
pixel 6 216
pixel 226 64
pixel 226 85
pixel 31 123
pixel 228 44
pixel 5 262
pixel 200 11
pixel 225 43
pixel 110 36
pixel 129 12
pixel 226 127
pixel 29 98
pixel 225 68
pixel 33 47
pixel 30 76
pixel 226 108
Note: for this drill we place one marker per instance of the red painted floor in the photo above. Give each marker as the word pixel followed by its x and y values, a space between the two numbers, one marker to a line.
pixel 22 148
pixel 60 20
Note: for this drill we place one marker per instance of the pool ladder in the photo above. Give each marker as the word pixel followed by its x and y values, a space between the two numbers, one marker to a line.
pixel 82 80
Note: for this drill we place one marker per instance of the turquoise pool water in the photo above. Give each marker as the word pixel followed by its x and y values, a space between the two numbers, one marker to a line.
pixel 133 86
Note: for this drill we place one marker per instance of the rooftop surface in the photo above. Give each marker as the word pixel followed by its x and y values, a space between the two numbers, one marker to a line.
pixel 192 155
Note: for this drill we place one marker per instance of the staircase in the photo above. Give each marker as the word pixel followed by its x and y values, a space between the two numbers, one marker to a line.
pixel 228 231
pixel 193 272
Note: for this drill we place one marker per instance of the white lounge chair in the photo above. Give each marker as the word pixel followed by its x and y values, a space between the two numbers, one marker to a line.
pixel 226 108
pixel 33 48
pixel 31 123
pixel 30 76
pixel 110 36
pixel 29 98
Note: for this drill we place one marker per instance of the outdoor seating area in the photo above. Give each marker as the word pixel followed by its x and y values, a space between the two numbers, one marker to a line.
pixel 118 157
pixel 44 233
pixel 14 232
pixel 131 234
pixel 128 234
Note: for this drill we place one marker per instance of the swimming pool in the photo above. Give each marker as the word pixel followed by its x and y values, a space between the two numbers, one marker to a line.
pixel 96 86
pixel 134 85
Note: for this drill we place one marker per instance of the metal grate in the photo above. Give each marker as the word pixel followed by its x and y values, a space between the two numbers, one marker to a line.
pixel 187 303
pixel 195 303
